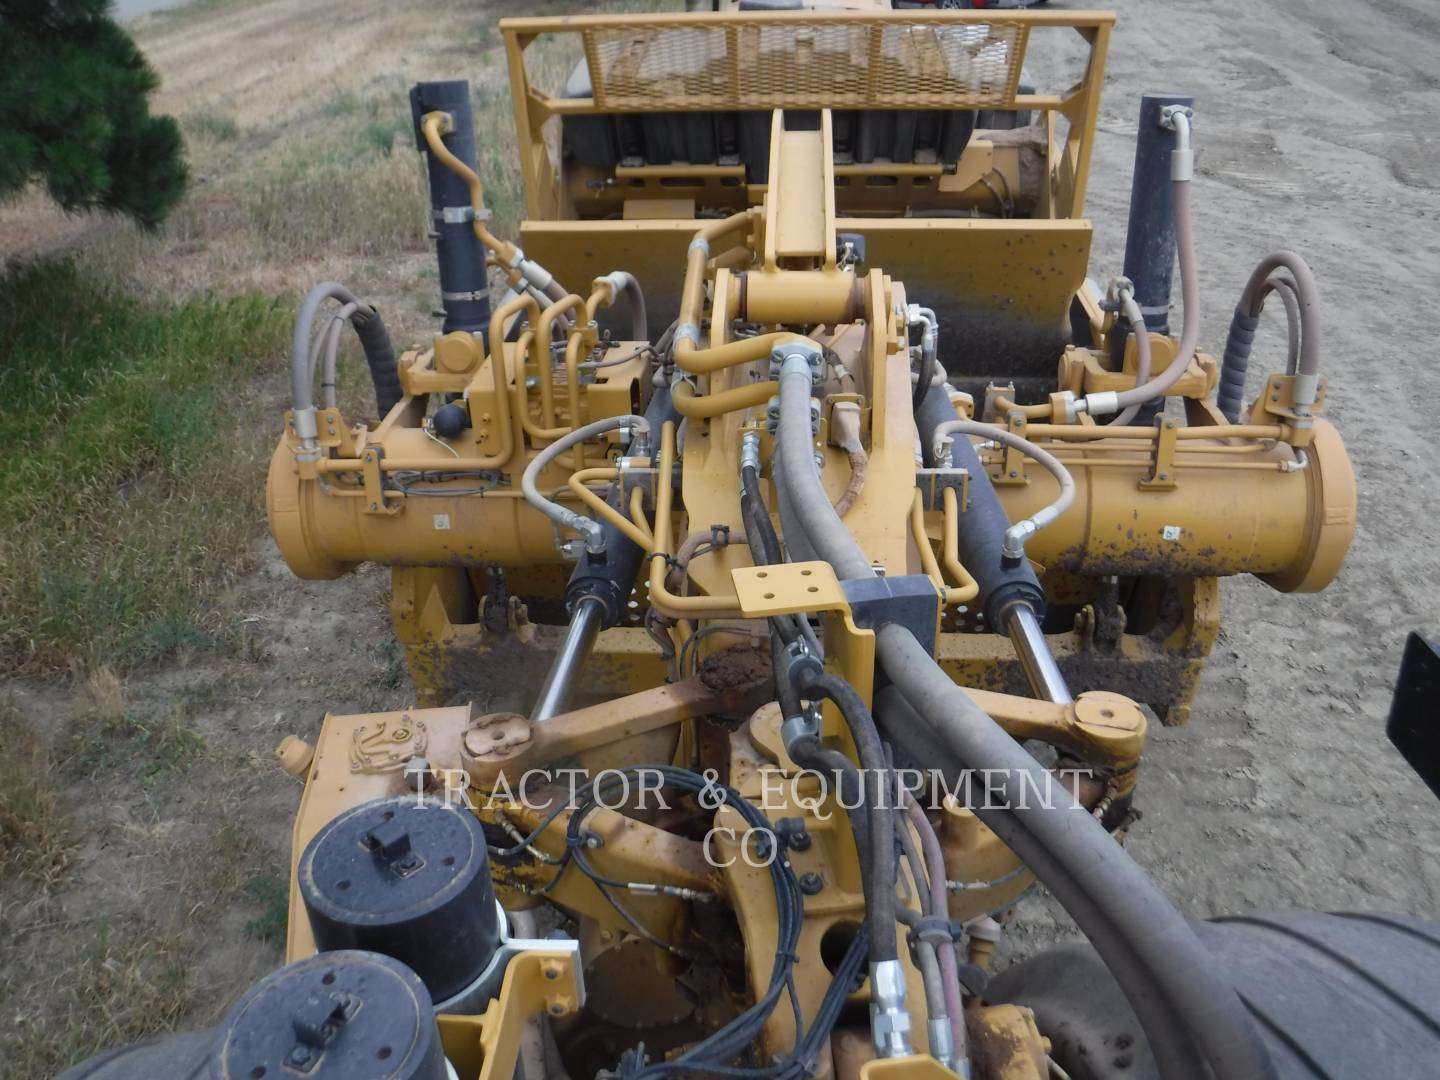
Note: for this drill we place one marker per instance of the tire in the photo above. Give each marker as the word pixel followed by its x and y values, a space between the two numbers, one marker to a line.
pixel 179 1057
pixel 1344 995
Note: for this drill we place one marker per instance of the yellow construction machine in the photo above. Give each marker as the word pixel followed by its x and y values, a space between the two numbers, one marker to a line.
pixel 790 545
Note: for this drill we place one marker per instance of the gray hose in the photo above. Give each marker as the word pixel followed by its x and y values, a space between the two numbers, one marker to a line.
pixel 625 282
pixel 374 340
pixel 804 497
pixel 1141 333
pixel 1190 297
pixel 562 515
pixel 1013 549
pixel 934 856
pixel 1141 393
pixel 1302 300
pixel 302 389
pixel 330 338
pixel 1130 921
pixel 1185 1006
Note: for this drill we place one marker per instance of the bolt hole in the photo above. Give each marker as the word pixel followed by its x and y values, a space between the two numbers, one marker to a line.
pixel 1108 714
pixel 343 884
pixel 389 814
pixel 329 977
pixel 383 1053
pixel 813 588
pixel 449 860
pixel 762 573
pixel 769 596
pixel 257 1072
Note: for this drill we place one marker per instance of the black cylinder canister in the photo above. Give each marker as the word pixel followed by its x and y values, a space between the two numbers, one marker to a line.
pixel 409 878
pixel 334 1016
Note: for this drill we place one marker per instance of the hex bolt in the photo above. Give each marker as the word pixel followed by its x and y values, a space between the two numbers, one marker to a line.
pixel 811 883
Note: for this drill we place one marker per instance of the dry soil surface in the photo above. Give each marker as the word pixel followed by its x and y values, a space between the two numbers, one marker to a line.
pixel 1315 131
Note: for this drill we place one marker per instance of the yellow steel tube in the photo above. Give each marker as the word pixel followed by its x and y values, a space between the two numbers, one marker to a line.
pixel 927 556
pixel 541 348
pixel 500 373
pixel 688 403
pixel 1196 431
pixel 969 588
pixel 661 598
pixel 430 126
pixel 642 537
pixel 688 354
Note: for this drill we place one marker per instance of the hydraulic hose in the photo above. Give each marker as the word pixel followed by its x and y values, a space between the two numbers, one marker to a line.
pixel 934 856
pixel 563 516
pixel 1189 278
pixel 1141 334
pixel 1243 324
pixel 611 575
pixel 814 514
pixel 1192 1017
pixel 982 526
pixel 374 340
pixel 929 347
pixel 1012 549
pixel 880 911
pixel 622 282
pixel 1190 1014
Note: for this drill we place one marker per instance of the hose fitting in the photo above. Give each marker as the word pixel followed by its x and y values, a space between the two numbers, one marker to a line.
pixel 889 1019
pixel 750 451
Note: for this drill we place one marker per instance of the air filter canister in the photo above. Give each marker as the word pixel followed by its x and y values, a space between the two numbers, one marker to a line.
pixel 331 1016
pixel 409 878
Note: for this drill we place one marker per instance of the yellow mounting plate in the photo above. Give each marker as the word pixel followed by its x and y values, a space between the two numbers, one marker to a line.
pixel 787 589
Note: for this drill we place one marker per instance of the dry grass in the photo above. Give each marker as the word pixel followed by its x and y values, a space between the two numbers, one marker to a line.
pixel 143 389
pixel 35 840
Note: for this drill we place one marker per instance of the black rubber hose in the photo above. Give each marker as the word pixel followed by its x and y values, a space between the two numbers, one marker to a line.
pixel 983 521
pixel 880 907
pixel 380 356
pixel 761 527
pixel 1190 1013
pixel 1236 363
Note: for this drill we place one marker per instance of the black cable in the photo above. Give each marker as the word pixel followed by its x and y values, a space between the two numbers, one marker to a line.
pixel 923 378
pixel 880 912
pixel 731 1040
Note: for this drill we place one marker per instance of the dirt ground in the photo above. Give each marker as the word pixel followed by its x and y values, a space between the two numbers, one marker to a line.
pixel 1315 131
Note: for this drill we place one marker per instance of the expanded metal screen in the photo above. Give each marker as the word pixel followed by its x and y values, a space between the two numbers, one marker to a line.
pixel 850 64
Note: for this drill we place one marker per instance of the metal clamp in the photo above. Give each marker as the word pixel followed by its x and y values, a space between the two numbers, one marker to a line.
pixel 458 215
pixel 933 482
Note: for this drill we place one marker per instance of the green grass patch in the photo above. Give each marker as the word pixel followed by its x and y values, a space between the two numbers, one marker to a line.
pixel 272 893
pixel 132 490
pixel 217 127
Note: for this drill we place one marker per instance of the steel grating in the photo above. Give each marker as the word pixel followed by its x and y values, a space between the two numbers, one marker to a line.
pixel 660 67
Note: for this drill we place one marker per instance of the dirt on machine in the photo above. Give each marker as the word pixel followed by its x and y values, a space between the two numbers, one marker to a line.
pixel 835 539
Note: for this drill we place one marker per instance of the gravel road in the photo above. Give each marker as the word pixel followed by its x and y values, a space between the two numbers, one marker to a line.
pixel 1315 130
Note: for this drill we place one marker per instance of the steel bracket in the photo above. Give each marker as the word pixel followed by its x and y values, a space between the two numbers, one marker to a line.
pixel 933 482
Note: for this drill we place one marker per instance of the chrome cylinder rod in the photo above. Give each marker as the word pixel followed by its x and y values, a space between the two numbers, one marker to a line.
pixel 570 660
pixel 1035 656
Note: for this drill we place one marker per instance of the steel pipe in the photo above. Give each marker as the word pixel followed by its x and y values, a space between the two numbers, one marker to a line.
pixel 1036 658
pixel 575 649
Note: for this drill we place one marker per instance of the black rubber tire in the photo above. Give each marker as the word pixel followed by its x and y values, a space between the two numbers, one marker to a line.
pixel 180 1057
pixel 1334 996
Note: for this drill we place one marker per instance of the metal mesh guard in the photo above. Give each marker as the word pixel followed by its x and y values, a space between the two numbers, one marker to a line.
pixel 851 64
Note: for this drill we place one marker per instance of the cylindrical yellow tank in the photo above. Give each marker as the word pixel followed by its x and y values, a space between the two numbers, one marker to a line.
pixel 1292 529
pixel 323 535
